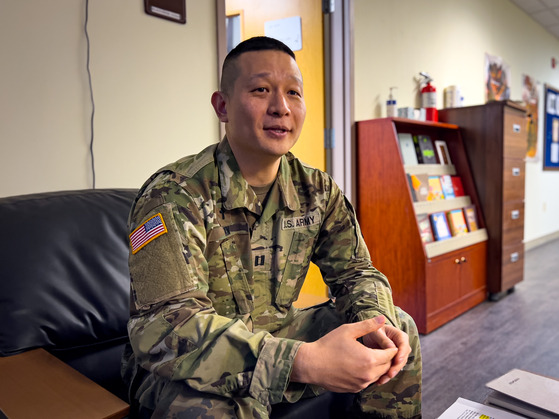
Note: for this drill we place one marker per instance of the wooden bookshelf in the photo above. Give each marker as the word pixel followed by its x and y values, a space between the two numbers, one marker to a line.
pixel 434 282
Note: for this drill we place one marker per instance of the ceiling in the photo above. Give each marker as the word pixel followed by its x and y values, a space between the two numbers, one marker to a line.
pixel 544 12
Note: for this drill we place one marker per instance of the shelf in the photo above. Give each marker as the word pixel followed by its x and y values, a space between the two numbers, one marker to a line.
pixel 431 169
pixel 444 246
pixel 429 207
pixel 426 281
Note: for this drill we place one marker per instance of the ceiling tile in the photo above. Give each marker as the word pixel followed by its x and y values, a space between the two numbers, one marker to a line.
pixel 546 18
pixel 551 3
pixel 530 6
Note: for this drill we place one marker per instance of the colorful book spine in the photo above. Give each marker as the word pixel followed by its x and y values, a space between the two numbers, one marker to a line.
pixel 457 222
pixel 439 224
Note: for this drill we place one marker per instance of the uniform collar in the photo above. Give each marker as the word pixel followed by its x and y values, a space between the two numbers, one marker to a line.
pixel 237 192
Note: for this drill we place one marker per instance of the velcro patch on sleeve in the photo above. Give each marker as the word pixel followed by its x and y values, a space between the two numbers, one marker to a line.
pixel 151 229
pixel 159 271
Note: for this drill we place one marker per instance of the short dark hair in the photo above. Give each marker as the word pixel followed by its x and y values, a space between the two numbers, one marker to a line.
pixel 258 43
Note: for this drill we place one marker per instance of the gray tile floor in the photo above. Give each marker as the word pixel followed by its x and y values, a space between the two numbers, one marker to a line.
pixel 519 331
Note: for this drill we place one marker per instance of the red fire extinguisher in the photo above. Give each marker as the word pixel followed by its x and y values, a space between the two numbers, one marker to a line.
pixel 429 99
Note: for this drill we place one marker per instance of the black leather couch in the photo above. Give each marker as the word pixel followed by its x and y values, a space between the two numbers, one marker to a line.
pixel 64 286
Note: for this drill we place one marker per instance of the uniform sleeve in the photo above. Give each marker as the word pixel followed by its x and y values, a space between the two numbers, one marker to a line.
pixel 360 290
pixel 174 330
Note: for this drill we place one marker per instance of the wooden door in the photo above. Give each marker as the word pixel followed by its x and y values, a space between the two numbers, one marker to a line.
pixel 253 14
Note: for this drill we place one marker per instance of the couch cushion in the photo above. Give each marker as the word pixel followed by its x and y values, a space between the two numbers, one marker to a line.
pixel 64 280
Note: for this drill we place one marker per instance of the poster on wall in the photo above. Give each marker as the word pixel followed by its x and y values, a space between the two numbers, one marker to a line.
pixel 497 78
pixel 530 96
pixel 551 129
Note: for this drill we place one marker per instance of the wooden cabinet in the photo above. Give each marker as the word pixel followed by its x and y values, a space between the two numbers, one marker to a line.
pixel 494 137
pixel 433 282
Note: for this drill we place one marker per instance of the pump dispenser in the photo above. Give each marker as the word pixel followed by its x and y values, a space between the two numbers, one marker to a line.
pixel 391 104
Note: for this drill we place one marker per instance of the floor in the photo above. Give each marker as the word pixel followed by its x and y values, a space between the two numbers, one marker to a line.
pixel 519 331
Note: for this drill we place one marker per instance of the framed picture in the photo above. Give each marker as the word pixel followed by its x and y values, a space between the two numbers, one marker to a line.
pixel 442 152
pixel 173 10
pixel 551 129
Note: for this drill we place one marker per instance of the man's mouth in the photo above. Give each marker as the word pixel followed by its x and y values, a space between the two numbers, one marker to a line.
pixel 277 129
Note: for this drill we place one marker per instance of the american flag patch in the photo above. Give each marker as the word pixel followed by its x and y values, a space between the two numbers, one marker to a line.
pixel 148 231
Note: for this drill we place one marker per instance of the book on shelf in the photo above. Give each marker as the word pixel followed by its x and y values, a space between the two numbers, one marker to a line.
pixel 526 393
pixel 435 189
pixel 442 152
pixel 424 149
pixel 471 217
pixel 448 189
pixel 425 228
pixel 457 222
pixel 457 186
pixel 419 185
pixel 407 148
pixel 439 225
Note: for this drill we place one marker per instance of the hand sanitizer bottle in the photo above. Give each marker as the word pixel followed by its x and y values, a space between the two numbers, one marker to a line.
pixel 391 105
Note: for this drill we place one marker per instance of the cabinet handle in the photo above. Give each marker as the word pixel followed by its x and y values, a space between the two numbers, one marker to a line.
pixel 463 259
pixel 516 127
pixel 516 171
pixel 514 257
pixel 457 261
pixel 515 214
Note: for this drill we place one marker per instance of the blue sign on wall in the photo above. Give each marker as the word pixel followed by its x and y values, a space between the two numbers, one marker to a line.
pixel 551 129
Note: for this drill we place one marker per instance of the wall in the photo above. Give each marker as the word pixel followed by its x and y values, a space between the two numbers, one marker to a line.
pixel 152 81
pixel 395 40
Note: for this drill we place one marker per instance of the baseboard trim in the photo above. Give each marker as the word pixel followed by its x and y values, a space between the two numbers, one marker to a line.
pixel 532 244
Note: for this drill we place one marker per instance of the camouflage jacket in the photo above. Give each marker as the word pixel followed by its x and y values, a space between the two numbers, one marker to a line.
pixel 209 287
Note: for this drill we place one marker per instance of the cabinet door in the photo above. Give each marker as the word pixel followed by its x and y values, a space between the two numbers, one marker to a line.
pixel 514 135
pixel 512 265
pixel 472 266
pixel 513 179
pixel 442 281
pixel 455 283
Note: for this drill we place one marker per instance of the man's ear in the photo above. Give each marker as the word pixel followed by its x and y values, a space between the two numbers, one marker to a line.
pixel 220 106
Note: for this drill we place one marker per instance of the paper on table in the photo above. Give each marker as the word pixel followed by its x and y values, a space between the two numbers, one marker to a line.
pixel 466 409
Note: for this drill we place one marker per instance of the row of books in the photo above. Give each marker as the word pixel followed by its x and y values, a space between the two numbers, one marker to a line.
pixel 433 188
pixel 421 149
pixel 444 225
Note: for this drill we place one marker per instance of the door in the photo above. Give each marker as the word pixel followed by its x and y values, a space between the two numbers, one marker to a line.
pixel 250 16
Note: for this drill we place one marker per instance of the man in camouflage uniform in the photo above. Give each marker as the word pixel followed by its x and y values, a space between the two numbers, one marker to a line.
pixel 220 246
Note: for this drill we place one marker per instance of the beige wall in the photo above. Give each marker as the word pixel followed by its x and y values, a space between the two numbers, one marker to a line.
pixel 152 80
pixel 395 40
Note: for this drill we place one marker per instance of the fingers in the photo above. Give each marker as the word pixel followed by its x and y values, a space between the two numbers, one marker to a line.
pixel 378 339
pixel 364 327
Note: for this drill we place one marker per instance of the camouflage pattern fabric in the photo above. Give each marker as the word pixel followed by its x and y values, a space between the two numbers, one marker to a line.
pixel 212 290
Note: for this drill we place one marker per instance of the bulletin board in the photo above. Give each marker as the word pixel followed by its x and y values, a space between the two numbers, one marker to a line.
pixel 551 129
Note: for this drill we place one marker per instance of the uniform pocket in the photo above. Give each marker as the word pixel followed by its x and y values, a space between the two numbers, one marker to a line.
pixel 237 273
pixel 296 267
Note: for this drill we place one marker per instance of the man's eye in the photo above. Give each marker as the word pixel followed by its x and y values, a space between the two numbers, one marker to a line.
pixel 294 92
pixel 260 89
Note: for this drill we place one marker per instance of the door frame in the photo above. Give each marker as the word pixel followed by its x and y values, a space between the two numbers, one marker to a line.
pixel 339 93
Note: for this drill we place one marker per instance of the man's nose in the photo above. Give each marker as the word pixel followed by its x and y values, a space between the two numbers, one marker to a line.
pixel 278 105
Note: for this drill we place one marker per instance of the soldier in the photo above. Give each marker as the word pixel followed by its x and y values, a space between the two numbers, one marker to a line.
pixel 220 246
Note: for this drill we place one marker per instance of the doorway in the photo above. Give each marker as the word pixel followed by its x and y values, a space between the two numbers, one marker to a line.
pixel 324 58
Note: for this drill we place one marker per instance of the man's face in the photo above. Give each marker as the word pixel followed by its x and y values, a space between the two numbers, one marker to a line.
pixel 265 108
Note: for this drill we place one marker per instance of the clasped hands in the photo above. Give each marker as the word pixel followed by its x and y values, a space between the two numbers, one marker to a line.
pixel 339 362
